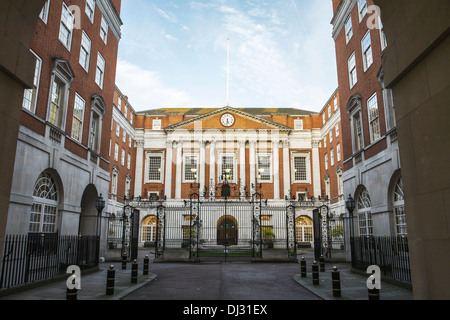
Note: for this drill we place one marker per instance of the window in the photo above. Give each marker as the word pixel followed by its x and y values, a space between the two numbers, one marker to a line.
pixel 129 162
pixel 304 229
pixel 389 106
pixel 57 103
pixel 399 209
pixel 100 74
pixel 190 168
pixel 85 51
pixel 154 167
pixel 348 29
pixel 90 9
pixel 44 12
pixel 44 209
pixel 156 124
pixel 383 37
pixel 374 122
pixel 362 9
pixel 332 157
pixel 119 104
pixel 227 168
pixel 338 152
pixel 116 152
pixel 128 185
pixel 94 134
pixel 149 229
pixel 104 30
pixel 327 186
pixel 124 137
pixel 340 183
pixel 329 111
pixel 326 162
pixel 117 129
pixel 357 132
pixel 335 102
pixel 325 142
pixel 264 168
pixel 66 27
pixel 364 205
pixel 366 45
pixel 337 130
pixel 114 180
pixel 78 116
pixel 131 118
pixel 301 168
pixel 323 118
pixel 122 161
pixel 352 70
pixel 30 95
pixel 331 135
pixel 125 111
pixel 298 124
pixel 129 141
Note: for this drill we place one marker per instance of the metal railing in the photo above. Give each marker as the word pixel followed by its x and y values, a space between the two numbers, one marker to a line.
pixel 390 253
pixel 34 257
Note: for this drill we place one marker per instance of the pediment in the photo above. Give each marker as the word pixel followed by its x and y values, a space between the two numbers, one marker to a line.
pixel 240 121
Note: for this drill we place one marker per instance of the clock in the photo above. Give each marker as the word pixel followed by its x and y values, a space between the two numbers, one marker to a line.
pixel 227 120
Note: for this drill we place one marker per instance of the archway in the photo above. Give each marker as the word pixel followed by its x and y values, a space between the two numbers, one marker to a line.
pixel 88 216
pixel 227 231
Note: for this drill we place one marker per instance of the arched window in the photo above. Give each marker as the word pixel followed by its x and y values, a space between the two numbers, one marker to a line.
pixel 45 205
pixel 149 225
pixel 399 209
pixel 364 215
pixel 304 229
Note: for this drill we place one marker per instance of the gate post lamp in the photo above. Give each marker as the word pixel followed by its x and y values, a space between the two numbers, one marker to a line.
pixel 351 205
pixel 99 205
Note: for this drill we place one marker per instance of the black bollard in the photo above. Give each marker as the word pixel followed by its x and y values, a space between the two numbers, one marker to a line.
pixel 336 279
pixel 315 273
pixel 110 281
pixel 72 294
pixel 322 264
pixel 146 261
pixel 303 267
pixel 134 272
pixel 124 261
pixel 374 294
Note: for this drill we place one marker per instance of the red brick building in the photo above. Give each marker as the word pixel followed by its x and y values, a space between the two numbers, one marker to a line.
pixel 62 159
pixel 370 154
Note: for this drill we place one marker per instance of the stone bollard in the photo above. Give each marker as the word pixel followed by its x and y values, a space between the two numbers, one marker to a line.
pixel 322 264
pixel 124 261
pixel 303 267
pixel 110 281
pixel 336 279
pixel 315 273
pixel 134 272
pixel 146 261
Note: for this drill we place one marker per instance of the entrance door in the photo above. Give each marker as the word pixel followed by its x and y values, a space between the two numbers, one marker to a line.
pixel 227 231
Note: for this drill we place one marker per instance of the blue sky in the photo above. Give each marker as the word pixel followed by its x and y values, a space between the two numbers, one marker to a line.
pixel 173 53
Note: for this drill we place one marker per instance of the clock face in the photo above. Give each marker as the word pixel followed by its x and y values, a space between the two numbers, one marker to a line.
pixel 227 120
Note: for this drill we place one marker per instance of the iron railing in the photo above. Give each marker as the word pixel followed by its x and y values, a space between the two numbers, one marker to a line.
pixel 390 253
pixel 34 257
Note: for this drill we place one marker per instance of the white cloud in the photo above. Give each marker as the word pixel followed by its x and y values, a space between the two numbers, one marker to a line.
pixel 145 88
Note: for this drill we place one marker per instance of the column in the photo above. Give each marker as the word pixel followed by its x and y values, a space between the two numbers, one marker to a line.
pixel 139 167
pixel 286 170
pixel 316 167
pixel 168 178
pixel 179 170
pixel 202 177
pixel 242 175
pixel 212 170
pixel 276 169
pixel 252 161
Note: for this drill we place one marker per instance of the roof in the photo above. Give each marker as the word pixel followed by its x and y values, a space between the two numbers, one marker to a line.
pixel 203 111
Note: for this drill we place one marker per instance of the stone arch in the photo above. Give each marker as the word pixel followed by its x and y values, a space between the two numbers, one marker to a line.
pixel 88 215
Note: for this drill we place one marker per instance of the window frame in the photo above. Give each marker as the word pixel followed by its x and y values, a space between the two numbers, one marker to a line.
pixel 348 26
pixel 91 16
pixel 86 51
pixel 34 92
pixel 374 119
pixel 196 158
pixel 307 157
pixel 221 157
pixel 44 12
pixel 100 70
pixel 353 80
pixel 81 120
pixel 258 168
pixel 69 28
pixel 104 29
pixel 367 53
pixel 161 156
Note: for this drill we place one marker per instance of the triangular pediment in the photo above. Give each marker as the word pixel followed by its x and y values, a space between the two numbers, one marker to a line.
pixel 227 118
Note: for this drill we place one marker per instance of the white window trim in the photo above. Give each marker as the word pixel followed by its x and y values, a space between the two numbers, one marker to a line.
pixel 306 155
pixel 93 11
pixel 270 169
pixel 116 152
pixel 350 78
pixel 36 94
pixel 372 139
pixel 104 28
pixel 361 17
pixel 348 30
pixel 366 65
pixel 147 166
pixel 102 78
pixel 44 12
pixel 156 124
pixel 338 152
pixel 326 161
pixel 219 171
pixel 88 58
pixel 82 117
pixel 197 158
pixel 298 124
pixel 66 45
